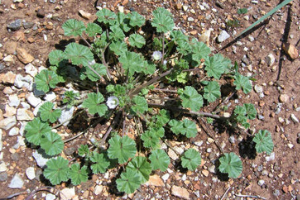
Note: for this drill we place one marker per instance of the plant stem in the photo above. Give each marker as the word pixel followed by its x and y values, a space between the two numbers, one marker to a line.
pixel 165 90
pixel 110 129
pixel 224 195
pixel 250 196
pixel 104 62
pixel 47 188
pixel 163 49
pixel 206 114
pixel 86 41
pixel 153 80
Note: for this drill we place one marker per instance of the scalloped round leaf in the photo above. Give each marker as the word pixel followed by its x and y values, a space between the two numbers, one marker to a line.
pixel 250 110
pixel 231 164
pixel 191 99
pixel 35 129
pixel 93 104
pixel 118 47
pixel 116 33
pixel 93 29
pixel 56 56
pixel 121 148
pixel 159 160
pixel 141 166
pixel 136 19
pixel 78 54
pixel 212 91
pixel 45 80
pixel 191 159
pixel 136 40
pixel 242 82
pixel 264 142
pixel 78 175
pixel 52 143
pixel 150 139
pixel 106 16
pixel 73 27
pixel 140 105
pixel 57 170
pixel 47 112
pixel 101 163
pixel 216 65
pixel 189 128
pixel 176 126
pixel 162 20
pixel 129 181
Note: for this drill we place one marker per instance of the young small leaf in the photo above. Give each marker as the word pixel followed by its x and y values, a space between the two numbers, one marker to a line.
pixel 99 68
pixel 78 175
pixel 212 91
pixel 73 27
pixel 93 104
pixel 56 56
pixel 45 80
pixel 231 164
pixel 199 51
pixel 142 168
pixel 216 65
pixel 137 40
pixel 242 82
pixel 101 163
pixel 162 20
pixel 52 143
pixel 131 62
pixel 78 54
pixel 116 33
pixel 121 148
pixel 140 105
pixel 83 150
pixel 118 47
pixel 191 159
pixel 106 16
pixel 129 181
pixel 263 140
pixel 93 29
pixel 242 11
pixel 189 128
pixel 136 19
pixel 57 170
pixel 35 130
pixel 159 160
pixel 250 110
pixel 162 118
pixel 48 113
pixel 150 139
pixel 191 99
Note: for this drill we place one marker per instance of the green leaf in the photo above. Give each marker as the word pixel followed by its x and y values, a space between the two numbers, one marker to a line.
pixel 116 33
pixel 57 170
pixel 93 29
pixel 35 130
pixel 189 128
pixel 242 11
pixel 121 148
pixel 140 105
pixel 162 20
pixel 99 68
pixel 216 65
pixel 73 27
pixel 178 36
pixel 129 181
pixel 199 51
pixel 231 164
pixel 162 118
pixel 176 126
pixel 150 139
pixel 148 68
pixel 191 159
pixel 212 91
pixel 78 54
pixel 136 19
pixel 78 175
pixel 83 150
pixel 159 160
pixel 123 22
pixel 185 48
pixel 93 104
pixel 142 168
pixel 250 111
pixel 191 99
pixel 131 62
pixel 56 56
pixel 45 80
pixel 263 140
pixel 52 143
pixel 106 16
pixel 242 82
pixel 101 163
pixel 136 40
pixel 278 7
pixel 118 47
pixel 48 113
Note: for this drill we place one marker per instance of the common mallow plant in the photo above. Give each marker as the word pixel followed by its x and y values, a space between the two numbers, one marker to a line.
pixel 127 74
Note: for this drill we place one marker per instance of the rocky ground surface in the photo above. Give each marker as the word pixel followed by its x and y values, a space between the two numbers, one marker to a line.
pixel 30 29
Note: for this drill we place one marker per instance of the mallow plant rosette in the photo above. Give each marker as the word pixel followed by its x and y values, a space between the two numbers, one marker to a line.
pixel 124 75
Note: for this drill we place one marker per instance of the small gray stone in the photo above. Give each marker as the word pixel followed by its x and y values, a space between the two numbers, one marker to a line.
pixel 30 173
pixel 28 25
pixel 294 118
pixel 261 182
pixel 52 1
pixel 258 89
pixel 276 193
pixel 30 69
pixel 15 156
pixel 2 66
pixel 3 167
pixel 14 131
pixel 270 59
pixel 231 139
pixel 3 176
pixel 15 25
pixel 261 117
pixel 16 182
pixel 223 36
pixel 212 169
pixel 69 151
pixel 50 197
pixel 8 122
pixel 13 100
pixel 50 96
pixel 26 82
pixel 66 115
pixel 190 19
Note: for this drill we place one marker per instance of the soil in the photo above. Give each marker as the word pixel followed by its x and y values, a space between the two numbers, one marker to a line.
pixel 281 175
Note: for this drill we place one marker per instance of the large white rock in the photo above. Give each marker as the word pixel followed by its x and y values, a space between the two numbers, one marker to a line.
pixel 16 182
pixel 30 173
pixel 26 82
pixel 66 115
pixel 8 122
pixel 223 36
pixel 33 100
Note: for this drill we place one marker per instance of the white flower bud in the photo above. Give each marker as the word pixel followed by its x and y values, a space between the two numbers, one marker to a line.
pixel 112 102
pixel 157 55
